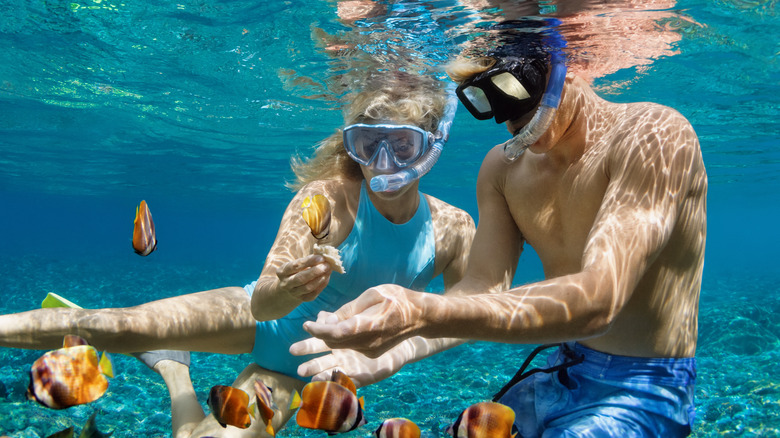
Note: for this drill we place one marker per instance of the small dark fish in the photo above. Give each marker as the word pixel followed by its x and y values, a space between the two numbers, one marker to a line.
pixel 398 428
pixel 484 420
pixel 329 405
pixel 69 376
pixel 144 238
pixel 230 406
pixel 90 430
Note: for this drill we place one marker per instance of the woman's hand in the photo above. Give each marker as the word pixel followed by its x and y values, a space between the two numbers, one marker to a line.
pixel 304 278
pixel 377 320
pixel 362 370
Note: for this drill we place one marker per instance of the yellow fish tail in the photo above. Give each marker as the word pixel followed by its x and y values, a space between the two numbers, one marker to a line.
pixel 295 403
pixel 106 366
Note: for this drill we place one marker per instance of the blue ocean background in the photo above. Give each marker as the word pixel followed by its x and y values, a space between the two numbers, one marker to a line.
pixel 197 106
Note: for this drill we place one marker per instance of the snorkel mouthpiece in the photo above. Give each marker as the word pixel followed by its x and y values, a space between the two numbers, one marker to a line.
pixel 394 181
pixel 544 116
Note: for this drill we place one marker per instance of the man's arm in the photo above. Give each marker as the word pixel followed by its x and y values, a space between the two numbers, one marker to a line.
pixel 648 177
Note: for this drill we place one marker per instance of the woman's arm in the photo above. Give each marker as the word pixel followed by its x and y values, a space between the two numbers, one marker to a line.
pixel 292 274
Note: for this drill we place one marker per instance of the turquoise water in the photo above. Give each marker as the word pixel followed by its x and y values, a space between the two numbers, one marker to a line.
pixel 197 106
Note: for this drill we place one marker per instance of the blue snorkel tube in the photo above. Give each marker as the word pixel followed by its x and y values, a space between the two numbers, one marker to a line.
pixel 394 181
pixel 544 116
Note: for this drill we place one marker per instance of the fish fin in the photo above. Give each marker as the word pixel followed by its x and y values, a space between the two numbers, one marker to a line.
pixel 73 341
pixel 252 409
pixel 296 400
pixel 106 366
pixel 54 300
pixel 514 435
pixel 270 429
pixel 90 429
pixel 362 403
pixel 64 433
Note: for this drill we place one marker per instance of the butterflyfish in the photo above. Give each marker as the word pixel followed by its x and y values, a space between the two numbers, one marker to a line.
pixel 144 238
pixel 70 376
pixel 230 406
pixel 265 405
pixel 316 213
pixel 484 420
pixel 329 405
pixel 398 428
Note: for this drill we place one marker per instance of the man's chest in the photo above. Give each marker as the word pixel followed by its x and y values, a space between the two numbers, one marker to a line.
pixel 555 212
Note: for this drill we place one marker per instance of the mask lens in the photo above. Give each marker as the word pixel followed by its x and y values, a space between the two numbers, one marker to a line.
pixel 510 85
pixel 478 99
pixel 406 144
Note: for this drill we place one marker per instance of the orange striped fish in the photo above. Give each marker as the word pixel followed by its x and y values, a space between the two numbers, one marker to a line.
pixel 70 376
pixel 265 405
pixel 484 420
pixel 230 406
pixel 398 428
pixel 144 238
pixel 331 406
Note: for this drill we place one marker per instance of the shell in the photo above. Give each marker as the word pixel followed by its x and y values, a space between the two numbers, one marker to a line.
pixel 316 213
pixel 230 406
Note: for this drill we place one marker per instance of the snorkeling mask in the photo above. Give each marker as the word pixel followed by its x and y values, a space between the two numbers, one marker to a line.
pixel 411 148
pixel 508 90
pixel 511 88
pixel 401 144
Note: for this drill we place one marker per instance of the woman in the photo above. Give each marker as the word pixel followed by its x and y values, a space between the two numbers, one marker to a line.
pixel 401 236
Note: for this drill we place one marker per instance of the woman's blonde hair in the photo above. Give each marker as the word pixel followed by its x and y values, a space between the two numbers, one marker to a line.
pixel 386 97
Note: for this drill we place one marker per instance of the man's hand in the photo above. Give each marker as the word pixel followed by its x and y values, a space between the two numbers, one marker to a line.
pixel 377 320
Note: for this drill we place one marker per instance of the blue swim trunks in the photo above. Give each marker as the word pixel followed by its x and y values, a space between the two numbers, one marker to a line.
pixel 605 395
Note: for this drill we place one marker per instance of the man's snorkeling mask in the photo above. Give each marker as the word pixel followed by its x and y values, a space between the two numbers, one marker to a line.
pixel 506 91
pixel 501 91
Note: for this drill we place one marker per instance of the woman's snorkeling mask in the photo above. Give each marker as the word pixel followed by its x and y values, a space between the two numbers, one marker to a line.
pixel 421 166
pixel 400 144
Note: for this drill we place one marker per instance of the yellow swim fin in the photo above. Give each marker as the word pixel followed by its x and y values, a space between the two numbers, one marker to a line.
pixel 54 300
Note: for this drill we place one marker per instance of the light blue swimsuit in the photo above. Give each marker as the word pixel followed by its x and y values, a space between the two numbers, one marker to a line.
pixel 376 252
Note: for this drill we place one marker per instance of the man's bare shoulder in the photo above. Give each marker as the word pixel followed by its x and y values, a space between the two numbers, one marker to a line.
pixel 646 130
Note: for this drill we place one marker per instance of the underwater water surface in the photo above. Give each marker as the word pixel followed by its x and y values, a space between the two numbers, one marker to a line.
pixel 197 106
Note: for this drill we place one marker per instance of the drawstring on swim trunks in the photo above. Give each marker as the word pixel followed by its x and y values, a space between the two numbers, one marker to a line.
pixel 573 359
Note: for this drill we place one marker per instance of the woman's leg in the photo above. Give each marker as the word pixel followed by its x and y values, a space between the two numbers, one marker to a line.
pixel 216 321
pixel 282 386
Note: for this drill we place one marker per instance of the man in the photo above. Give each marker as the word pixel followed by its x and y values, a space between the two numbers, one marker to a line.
pixel 613 199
